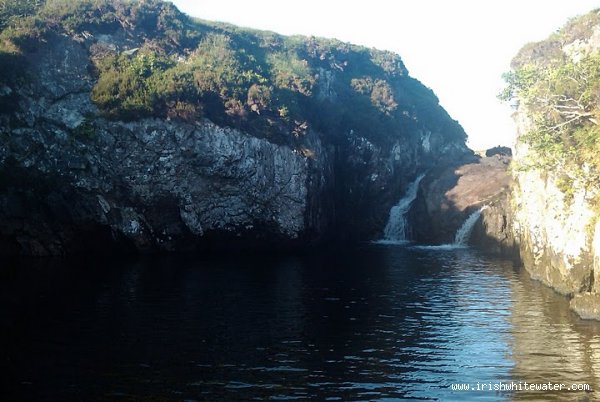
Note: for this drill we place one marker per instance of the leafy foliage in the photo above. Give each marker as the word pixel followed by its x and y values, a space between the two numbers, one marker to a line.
pixel 290 72
pixel 560 93
pixel 132 86
pixel 14 9
pixel 379 91
pixel 172 66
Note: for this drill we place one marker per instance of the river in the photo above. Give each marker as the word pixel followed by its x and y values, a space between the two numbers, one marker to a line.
pixel 373 322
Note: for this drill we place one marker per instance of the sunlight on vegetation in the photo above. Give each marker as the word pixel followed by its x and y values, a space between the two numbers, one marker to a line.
pixel 187 69
pixel 559 90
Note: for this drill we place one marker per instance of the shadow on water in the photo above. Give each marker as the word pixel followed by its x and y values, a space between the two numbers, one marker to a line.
pixel 374 322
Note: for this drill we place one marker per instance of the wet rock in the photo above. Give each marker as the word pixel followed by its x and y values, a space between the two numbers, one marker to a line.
pixel 586 305
pixel 449 196
pixel 494 232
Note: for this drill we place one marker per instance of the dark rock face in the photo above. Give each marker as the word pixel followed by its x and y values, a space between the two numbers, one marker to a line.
pixel 494 232
pixel 499 150
pixel 71 184
pixel 371 178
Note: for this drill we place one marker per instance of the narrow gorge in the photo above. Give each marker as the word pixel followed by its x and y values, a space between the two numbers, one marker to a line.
pixel 89 162
pixel 192 210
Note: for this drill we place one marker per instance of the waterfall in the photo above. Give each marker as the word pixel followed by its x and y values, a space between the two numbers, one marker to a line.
pixel 397 227
pixel 464 232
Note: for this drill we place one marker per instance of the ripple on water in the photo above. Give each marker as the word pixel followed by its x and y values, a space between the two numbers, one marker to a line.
pixel 374 323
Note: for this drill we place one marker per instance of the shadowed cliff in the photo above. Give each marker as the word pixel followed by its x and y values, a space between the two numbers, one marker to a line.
pixel 134 124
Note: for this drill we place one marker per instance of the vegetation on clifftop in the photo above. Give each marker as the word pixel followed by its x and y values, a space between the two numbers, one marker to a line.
pixel 152 60
pixel 557 83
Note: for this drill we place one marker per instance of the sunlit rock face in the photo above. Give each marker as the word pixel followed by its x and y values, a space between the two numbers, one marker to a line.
pixel 556 224
pixel 556 233
pixel 555 236
pixel 587 305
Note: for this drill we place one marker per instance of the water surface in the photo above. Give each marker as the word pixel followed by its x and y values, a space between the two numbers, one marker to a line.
pixel 376 322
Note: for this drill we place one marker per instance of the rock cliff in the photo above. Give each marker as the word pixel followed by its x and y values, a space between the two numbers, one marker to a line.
pixel 130 126
pixel 554 201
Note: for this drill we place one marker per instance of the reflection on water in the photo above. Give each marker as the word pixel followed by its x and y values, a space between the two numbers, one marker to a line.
pixel 550 344
pixel 380 322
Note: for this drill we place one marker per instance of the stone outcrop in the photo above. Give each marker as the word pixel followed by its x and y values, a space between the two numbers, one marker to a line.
pixel 587 305
pixel 494 232
pixel 499 150
pixel 449 196
pixel 156 183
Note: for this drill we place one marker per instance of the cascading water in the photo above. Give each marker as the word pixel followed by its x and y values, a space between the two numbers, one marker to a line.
pixel 397 227
pixel 464 232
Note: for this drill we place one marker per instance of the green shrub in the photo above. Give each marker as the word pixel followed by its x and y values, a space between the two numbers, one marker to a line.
pixel 561 96
pixel 290 72
pixel 562 100
pixel 266 84
pixel 128 86
pixel 11 10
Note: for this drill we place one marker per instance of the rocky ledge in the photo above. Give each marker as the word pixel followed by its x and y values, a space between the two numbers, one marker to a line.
pixel 586 305
pixel 449 196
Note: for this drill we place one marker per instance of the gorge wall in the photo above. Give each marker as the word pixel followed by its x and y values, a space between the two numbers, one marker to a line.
pixel 130 126
pixel 554 203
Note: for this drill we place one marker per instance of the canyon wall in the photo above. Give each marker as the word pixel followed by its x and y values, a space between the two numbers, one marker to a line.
pixel 132 127
pixel 553 209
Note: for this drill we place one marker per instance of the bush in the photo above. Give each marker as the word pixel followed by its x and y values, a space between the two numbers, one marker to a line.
pixel 266 84
pixel 290 72
pixel 15 9
pixel 561 96
pixel 562 100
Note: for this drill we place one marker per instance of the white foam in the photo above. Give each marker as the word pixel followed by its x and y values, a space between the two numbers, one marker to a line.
pixel 385 242
pixel 464 232
pixel 441 247
pixel 397 227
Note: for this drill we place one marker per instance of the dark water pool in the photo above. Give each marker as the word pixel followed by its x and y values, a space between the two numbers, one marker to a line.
pixel 371 323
